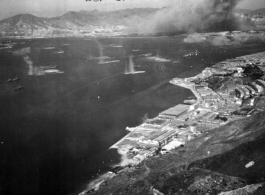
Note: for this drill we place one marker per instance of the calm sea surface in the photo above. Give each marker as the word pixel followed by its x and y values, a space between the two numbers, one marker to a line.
pixel 55 132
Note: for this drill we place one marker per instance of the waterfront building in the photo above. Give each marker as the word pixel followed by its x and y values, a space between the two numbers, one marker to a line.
pixel 155 135
pixel 258 87
pixel 193 107
pixel 251 90
pixel 165 138
pixel 166 117
pixel 158 122
pixel 239 102
pixel 246 91
pixel 261 83
pixel 253 86
pixel 211 97
pixel 239 93
pixel 175 111
pixel 149 142
pixel 149 127
pixel 204 91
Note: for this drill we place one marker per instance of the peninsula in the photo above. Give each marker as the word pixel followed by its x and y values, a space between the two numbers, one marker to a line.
pixel 227 93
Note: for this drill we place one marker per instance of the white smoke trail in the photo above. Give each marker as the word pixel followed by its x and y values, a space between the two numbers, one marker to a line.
pixel 124 159
pixel 222 39
pixel 189 16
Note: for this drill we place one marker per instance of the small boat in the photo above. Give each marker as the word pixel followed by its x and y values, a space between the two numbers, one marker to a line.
pixel 49 48
pixel 59 52
pixel 13 80
pixel 190 54
pixel 50 67
pixel 51 71
pixel 19 87
pixel 108 62
pixel 146 55
pixel 116 45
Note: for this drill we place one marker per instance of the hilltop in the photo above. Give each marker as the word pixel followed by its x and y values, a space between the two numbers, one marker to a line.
pixel 257 17
pixel 95 23
pixel 72 23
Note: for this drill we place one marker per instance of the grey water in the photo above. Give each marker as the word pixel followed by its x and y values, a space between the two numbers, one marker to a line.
pixel 55 133
pixel 129 66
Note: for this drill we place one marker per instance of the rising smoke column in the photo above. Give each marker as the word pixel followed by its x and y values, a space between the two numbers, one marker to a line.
pixel 190 16
pixel 129 66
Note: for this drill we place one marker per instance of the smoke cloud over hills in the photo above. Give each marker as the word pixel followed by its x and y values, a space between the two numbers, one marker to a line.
pixel 189 16
pixel 223 39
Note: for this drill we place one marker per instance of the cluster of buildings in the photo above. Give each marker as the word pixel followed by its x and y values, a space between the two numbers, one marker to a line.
pixel 70 31
pixel 225 92
pixel 233 99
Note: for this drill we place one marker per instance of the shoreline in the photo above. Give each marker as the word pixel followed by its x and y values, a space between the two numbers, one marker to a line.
pixel 141 144
pixel 203 35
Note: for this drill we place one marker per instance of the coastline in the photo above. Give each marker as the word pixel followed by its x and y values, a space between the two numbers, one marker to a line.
pixel 190 37
pixel 208 103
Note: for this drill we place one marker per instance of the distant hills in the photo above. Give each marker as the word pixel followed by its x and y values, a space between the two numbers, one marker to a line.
pixel 256 16
pixel 72 23
pixel 255 13
pixel 92 23
pixel 242 11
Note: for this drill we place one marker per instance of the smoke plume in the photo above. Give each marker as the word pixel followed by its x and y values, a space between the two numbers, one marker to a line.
pixel 223 39
pixel 190 16
pixel 124 159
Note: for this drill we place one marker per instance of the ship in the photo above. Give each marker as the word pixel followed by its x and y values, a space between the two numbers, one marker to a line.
pixel 49 67
pixel 19 87
pixel 190 54
pixel 13 80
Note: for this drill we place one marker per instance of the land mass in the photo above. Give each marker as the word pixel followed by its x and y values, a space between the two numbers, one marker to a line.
pixel 213 144
pixel 73 24
pixel 96 23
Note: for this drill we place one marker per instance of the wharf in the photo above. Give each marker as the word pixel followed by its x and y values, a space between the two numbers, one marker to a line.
pixel 213 108
pixel 186 84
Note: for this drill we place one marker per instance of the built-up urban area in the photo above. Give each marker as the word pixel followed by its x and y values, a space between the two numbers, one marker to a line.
pixel 225 92
pixel 228 91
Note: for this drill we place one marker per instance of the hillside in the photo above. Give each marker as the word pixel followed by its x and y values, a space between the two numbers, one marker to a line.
pixel 213 163
pixel 257 17
pixel 72 23
pixel 97 23
pixel 224 159
pixel 242 11
pixel 258 12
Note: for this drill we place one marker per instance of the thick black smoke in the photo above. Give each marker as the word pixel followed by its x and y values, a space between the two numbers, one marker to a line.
pixel 190 16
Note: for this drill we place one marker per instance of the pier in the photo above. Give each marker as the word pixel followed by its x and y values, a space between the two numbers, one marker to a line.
pixel 184 122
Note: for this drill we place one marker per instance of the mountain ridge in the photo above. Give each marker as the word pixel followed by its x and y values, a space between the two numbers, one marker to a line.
pixel 92 23
pixel 256 17
pixel 86 22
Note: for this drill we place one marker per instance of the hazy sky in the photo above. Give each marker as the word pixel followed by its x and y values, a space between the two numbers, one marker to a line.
pixel 50 8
